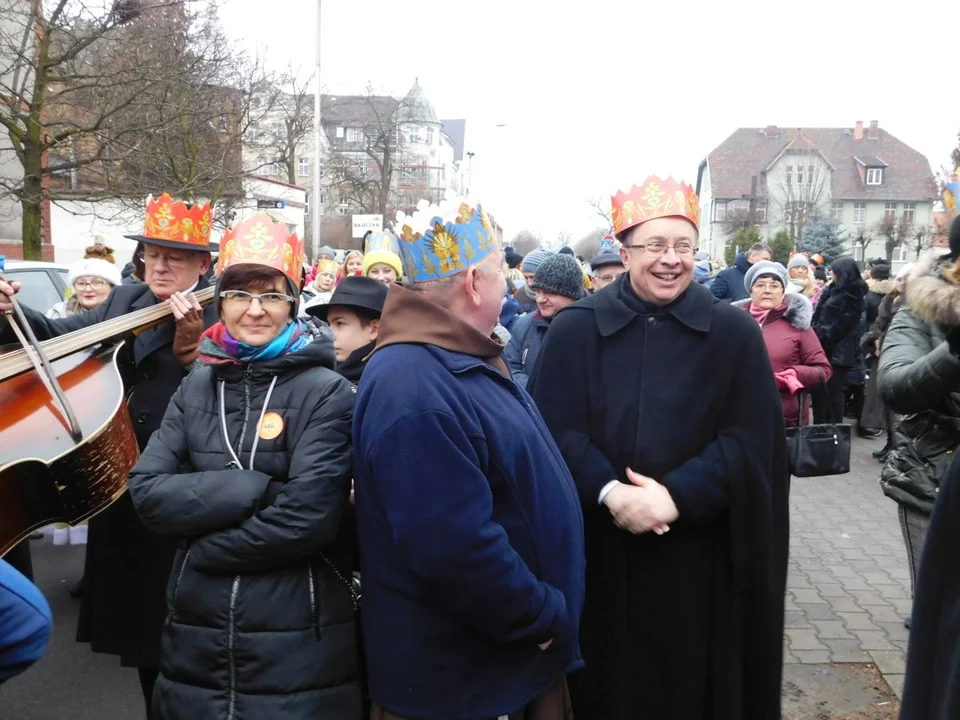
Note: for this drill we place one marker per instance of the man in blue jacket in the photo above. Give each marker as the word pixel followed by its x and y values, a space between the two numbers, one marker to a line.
pixel 470 529
pixel 728 284
pixel 25 623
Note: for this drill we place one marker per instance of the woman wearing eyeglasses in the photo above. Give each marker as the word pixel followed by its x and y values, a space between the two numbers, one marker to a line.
pixel 92 281
pixel 250 472
pixel 796 356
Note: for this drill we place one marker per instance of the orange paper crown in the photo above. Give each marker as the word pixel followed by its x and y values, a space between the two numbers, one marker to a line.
pixel 259 240
pixel 656 198
pixel 175 223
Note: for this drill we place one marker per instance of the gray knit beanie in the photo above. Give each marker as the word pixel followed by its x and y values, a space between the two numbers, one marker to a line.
pixel 560 274
pixel 534 259
pixel 798 260
pixel 765 267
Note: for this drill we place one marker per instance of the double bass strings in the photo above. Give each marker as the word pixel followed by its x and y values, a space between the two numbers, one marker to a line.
pixel 18 361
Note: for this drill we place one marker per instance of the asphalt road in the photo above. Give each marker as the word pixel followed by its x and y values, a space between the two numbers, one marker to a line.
pixel 71 682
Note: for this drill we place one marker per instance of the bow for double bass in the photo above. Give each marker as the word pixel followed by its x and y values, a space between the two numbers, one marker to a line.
pixel 66 439
pixel 42 365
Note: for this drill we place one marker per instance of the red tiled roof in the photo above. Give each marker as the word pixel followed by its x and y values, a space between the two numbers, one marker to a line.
pixel 750 151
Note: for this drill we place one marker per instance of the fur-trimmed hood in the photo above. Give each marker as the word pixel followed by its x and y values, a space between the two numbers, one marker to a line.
pixel 882 287
pixel 799 312
pixel 932 298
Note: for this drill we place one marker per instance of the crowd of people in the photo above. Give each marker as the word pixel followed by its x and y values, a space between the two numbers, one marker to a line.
pixel 438 478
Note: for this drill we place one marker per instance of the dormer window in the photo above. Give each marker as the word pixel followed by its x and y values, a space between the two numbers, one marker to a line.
pixel 874 176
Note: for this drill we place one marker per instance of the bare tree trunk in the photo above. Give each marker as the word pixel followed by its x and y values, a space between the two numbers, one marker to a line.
pixel 31 196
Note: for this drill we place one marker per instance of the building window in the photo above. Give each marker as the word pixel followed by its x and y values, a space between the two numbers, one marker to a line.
pixel 275 169
pixel 760 214
pixel 810 174
pixel 354 135
pixel 874 176
pixel 430 137
pixel 303 167
pixel 890 212
pixel 836 211
pixel 253 131
pixel 413 136
pixel 859 213
pixel 858 251
pixel 909 212
pixel 263 164
pixel 719 210
pixel 799 174
pixel 340 132
pixel 789 174
pixel 900 253
pixel 342 208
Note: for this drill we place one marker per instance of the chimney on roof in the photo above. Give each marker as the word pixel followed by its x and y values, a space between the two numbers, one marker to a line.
pixel 858 130
pixel 771 131
pixel 874 132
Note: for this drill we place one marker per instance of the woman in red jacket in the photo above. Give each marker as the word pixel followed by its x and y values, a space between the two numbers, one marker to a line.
pixel 795 352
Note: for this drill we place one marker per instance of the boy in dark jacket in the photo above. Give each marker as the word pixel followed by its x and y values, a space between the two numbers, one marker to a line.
pixel 353 315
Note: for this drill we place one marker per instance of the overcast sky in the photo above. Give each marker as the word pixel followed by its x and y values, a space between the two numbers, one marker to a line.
pixel 596 95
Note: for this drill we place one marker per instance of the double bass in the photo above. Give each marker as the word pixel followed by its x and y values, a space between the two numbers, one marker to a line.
pixel 66 440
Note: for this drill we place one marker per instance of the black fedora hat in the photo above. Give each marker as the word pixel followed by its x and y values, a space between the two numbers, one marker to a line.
pixel 354 292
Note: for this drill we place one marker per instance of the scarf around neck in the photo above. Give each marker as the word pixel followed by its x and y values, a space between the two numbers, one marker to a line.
pixel 294 337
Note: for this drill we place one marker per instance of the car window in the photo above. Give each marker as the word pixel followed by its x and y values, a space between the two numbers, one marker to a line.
pixel 37 290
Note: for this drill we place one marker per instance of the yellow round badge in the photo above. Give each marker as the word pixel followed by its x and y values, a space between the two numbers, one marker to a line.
pixel 271 426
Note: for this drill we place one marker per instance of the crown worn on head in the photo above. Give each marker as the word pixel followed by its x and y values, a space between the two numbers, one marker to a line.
pixel 259 240
pixel 951 196
pixel 326 265
pixel 656 198
pixel 177 223
pixel 443 239
pixel 381 241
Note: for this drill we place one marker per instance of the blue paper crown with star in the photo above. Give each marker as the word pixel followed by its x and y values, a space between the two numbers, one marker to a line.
pixel 442 239
pixel 381 241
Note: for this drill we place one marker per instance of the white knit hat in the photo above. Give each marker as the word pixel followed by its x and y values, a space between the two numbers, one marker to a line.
pixel 94 267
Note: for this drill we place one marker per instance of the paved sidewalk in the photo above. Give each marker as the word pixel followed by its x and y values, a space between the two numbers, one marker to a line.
pixel 848 587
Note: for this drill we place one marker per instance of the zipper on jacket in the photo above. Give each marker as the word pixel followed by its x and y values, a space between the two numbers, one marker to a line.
pixel 176 585
pixel 314 617
pixel 231 644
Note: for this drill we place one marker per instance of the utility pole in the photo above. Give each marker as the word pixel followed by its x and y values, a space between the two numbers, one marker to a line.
pixel 315 203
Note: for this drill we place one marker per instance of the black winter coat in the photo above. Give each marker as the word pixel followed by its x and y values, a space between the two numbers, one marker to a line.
pixel 260 618
pixel 919 378
pixel 931 690
pixel 687 625
pixel 839 313
pixel 127 565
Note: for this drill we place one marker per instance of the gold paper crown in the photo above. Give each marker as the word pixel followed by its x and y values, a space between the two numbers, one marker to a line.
pixel 656 198
pixel 326 265
pixel 259 240
pixel 175 223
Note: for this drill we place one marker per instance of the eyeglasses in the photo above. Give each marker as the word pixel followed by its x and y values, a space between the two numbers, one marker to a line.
pixel 96 284
pixel 659 248
pixel 763 287
pixel 268 301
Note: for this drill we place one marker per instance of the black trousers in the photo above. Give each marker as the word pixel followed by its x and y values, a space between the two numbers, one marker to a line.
pixel 148 679
pixel 829 401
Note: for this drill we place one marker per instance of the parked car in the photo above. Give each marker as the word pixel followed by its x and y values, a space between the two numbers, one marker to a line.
pixel 43 284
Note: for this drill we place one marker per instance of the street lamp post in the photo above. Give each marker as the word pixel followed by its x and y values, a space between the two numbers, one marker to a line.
pixel 315 199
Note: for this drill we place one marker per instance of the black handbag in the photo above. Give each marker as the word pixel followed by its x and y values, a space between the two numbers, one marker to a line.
pixel 818 450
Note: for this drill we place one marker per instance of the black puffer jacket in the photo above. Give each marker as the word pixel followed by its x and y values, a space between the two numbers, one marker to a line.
pixel 839 312
pixel 260 619
pixel 919 377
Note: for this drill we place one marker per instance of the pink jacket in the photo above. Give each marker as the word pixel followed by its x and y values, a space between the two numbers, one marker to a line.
pixel 792 344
